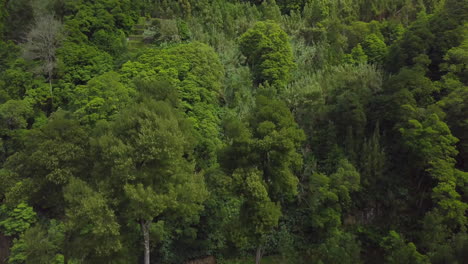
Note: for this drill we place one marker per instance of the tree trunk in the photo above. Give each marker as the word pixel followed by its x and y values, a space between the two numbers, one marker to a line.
pixel 5 243
pixel 145 226
pixel 258 256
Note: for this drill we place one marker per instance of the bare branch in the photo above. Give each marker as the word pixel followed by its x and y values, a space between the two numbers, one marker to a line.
pixel 42 42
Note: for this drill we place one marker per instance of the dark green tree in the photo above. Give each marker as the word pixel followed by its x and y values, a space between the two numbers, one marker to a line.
pixel 152 164
pixel 263 158
pixel 195 70
pixel 51 155
pixel 101 98
pixel 91 228
pixel 39 244
pixel 268 51
pixel 375 49
pixel 398 251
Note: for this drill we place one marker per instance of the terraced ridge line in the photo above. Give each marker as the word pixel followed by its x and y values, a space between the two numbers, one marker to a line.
pixel 136 38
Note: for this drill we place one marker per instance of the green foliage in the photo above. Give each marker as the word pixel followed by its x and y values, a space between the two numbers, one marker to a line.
pixel 101 98
pixel 268 52
pixel 456 108
pixel 373 161
pixel 340 247
pixel 375 49
pixel 51 155
pixel 329 195
pixel 194 69
pixel 39 245
pixel 149 151
pixel 17 11
pixel 270 143
pixel 414 42
pixel 78 63
pixel 91 16
pixel 316 11
pixel 443 245
pixel 430 139
pixel 400 252
pixel 14 114
pixel 357 56
pixel 15 80
pixel 457 61
pixel 271 11
pixel 15 117
pixel 332 107
pixel 15 221
pixel 435 147
pixel 327 198
pixel 304 131
pixel 415 81
pixel 259 215
pixel 90 223
pixel 262 158
pixel 113 43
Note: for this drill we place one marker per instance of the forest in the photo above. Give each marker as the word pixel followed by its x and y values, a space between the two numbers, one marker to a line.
pixel 233 131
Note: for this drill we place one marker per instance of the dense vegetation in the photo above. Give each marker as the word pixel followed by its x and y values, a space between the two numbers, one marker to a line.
pixel 305 131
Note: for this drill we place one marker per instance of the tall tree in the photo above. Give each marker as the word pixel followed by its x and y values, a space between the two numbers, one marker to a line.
pixel 91 228
pixel 152 161
pixel 375 49
pixel 263 158
pixel 268 53
pixel 101 98
pixel 49 157
pixel 196 71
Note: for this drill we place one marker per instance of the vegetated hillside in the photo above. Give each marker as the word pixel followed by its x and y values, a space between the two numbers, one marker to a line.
pixel 300 131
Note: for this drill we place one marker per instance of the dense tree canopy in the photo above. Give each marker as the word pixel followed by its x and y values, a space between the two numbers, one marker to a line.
pixel 235 131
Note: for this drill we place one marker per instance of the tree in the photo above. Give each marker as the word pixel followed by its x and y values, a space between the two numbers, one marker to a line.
pixel 151 152
pixel 456 107
pixel 316 12
pixel 456 61
pixel 40 244
pixel 195 70
pixel 79 63
pixel 329 195
pixel 375 49
pixel 42 43
pixel 433 148
pixel 400 252
pixel 112 42
pixel 262 158
pixel 19 20
pixel 357 56
pixel 87 17
pixel 271 11
pixel 15 116
pixel 259 215
pixel 16 78
pixel 50 156
pixel 413 79
pixel 327 199
pixel 101 98
pixel 268 51
pixel 415 41
pixel 14 221
pixel 91 227
pixel 270 143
